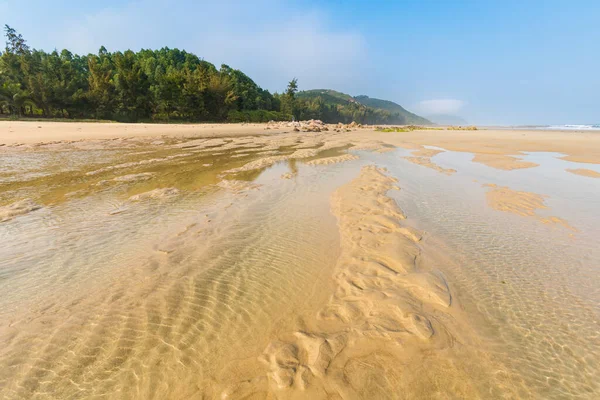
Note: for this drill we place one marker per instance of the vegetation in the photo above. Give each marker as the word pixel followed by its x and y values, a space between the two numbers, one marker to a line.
pixel 462 128
pixel 408 128
pixel 394 108
pixel 157 85
pixel 362 109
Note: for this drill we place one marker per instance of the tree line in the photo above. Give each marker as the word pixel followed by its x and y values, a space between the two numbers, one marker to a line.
pixel 150 85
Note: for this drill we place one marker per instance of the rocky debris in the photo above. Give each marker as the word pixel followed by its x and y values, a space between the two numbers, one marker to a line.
pixel 313 125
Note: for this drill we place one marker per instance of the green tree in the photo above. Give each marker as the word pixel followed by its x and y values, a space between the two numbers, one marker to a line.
pixel 292 88
pixel 288 100
pixel 132 87
pixel 15 42
pixel 163 84
pixel 101 89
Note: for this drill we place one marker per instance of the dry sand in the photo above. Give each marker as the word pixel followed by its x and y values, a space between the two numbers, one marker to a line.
pixel 12 132
pixel 577 146
pixel 492 147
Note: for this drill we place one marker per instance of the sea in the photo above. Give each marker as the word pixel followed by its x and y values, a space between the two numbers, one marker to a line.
pixel 572 127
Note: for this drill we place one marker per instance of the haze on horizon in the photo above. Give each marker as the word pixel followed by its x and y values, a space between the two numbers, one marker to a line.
pixel 513 63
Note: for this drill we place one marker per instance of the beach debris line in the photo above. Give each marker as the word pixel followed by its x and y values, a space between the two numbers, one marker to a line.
pixel 314 125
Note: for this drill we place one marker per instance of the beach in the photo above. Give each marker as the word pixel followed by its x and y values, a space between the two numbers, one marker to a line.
pixel 583 146
pixel 297 260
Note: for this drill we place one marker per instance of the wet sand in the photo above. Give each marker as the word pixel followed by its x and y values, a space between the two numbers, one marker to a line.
pixel 521 203
pixel 502 161
pixel 585 172
pixel 497 148
pixel 235 261
pixel 423 157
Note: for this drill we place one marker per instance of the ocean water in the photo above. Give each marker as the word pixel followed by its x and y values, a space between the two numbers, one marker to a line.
pixel 572 127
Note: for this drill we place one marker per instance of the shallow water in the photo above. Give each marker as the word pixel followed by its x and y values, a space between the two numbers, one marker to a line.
pixel 168 297
pixel 177 296
pixel 534 285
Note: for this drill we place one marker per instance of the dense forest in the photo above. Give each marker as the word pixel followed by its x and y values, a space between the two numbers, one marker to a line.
pixel 373 109
pixel 153 85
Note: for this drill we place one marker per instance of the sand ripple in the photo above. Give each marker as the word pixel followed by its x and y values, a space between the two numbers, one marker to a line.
pixel 333 160
pixel 155 194
pixel 18 208
pixel 386 310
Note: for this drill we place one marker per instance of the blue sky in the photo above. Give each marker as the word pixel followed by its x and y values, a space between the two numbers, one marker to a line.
pixel 491 62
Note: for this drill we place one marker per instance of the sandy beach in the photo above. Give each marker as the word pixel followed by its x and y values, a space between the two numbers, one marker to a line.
pixel 491 146
pixel 297 261
pixel 14 132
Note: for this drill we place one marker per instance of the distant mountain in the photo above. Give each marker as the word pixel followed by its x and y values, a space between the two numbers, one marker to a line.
pixel 443 119
pixel 387 112
pixel 392 107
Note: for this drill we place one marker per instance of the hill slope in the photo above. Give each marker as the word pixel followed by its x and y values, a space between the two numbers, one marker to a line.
pixel 392 107
pixel 386 111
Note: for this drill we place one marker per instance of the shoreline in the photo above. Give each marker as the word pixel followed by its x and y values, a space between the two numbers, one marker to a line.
pixel 205 238
pixel 498 148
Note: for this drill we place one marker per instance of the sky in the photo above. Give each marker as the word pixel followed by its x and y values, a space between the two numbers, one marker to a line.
pixel 510 62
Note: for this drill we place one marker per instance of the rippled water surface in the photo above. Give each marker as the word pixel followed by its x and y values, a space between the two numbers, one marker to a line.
pixel 105 295
pixel 534 285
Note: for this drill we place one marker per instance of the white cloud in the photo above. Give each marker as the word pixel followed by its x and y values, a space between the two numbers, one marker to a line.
pixel 267 39
pixel 439 106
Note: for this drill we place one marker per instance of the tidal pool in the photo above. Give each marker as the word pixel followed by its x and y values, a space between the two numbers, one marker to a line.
pixel 174 270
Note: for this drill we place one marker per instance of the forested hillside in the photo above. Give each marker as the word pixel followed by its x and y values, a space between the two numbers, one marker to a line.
pixel 382 111
pixel 394 108
pixel 154 85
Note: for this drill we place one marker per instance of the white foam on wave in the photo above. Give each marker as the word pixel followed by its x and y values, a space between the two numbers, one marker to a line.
pixel 574 127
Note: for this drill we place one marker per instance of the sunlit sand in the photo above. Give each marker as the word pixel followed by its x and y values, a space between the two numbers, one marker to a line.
pixel 235 261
